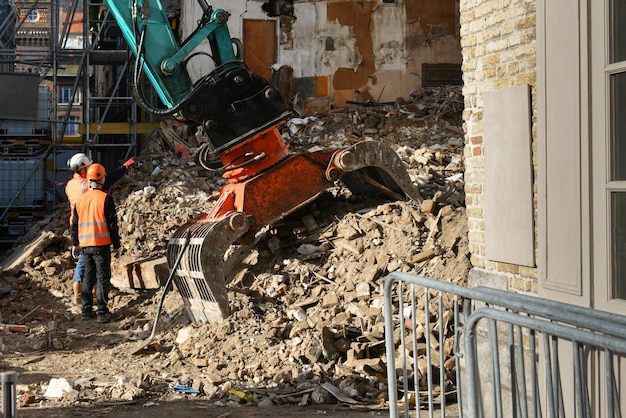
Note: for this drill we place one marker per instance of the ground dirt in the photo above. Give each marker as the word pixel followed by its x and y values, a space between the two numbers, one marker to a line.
pixel 305 335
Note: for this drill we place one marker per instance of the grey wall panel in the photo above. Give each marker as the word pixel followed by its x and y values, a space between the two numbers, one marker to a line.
pixel 18 95
pixel 509 229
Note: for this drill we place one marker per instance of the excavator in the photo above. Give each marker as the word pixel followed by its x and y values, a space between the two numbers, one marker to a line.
pixel 239 117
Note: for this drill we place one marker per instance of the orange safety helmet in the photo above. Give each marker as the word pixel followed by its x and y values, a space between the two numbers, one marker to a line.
pixel 96 172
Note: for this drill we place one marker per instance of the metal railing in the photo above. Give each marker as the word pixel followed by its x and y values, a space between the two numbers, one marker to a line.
pixel 479 352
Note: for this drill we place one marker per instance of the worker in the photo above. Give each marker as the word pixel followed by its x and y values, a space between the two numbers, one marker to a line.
pixel 94 229
pixel 74 188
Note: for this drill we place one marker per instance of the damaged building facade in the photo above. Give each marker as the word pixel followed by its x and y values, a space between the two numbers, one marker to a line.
pixel 345 50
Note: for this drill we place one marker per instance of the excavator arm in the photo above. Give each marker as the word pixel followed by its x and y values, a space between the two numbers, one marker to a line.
pixel 229 103
pixel 147 31
pixel 239 115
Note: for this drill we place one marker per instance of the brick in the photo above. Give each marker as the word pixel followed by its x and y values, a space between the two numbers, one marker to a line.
pixel 529 272
pixel 498 46
pixel 491 59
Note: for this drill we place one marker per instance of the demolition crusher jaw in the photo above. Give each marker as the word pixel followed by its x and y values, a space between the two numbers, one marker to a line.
pixel 265 183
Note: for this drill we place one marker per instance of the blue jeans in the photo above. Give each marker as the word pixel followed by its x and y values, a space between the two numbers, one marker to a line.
pixel 79 273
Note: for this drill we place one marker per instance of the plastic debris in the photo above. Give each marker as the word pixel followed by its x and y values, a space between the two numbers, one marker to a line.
pixel 185 389
pixel 246 397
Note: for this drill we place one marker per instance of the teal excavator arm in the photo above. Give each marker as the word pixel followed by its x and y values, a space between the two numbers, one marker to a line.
pixel 229 103
pixel 146 29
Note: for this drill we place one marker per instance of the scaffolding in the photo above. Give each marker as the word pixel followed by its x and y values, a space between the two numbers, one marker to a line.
pixel 83 61
pixel 111 124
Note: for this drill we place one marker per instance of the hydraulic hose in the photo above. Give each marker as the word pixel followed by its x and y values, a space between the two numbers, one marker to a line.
pixel 136 86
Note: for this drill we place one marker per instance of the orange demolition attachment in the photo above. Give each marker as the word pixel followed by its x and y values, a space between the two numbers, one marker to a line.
pixel 266 183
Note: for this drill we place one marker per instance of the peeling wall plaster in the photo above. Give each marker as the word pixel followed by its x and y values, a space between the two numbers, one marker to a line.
pixel 388 30
pixel 348 44
pixel 311 31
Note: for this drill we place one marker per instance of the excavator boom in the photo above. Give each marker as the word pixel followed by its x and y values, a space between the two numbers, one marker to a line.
pixel 146 28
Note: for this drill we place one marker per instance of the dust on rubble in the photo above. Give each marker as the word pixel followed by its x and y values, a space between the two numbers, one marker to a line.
pixel 306 323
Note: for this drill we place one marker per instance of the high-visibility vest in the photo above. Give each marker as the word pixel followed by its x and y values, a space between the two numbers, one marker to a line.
pixel 75 188
pixel 93 230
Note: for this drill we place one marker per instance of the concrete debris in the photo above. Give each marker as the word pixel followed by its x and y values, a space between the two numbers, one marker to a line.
pixel 306 323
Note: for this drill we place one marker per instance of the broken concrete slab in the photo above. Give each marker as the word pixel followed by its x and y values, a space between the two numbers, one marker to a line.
pixel 142 274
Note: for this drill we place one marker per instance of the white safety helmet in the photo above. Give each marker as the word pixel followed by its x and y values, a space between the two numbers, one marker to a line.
pixel 79 161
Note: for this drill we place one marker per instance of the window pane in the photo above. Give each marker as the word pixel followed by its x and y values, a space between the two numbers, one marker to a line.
pixel 71 129
pixel 618 31
pixel 66 94
pixel 618 126
pixel 71 126
pixel 618 244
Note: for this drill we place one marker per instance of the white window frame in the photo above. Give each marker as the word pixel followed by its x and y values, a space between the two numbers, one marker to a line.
pixel 603 187
pixel 65 93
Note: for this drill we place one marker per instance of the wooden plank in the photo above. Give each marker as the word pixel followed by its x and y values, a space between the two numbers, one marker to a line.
pixel 26 252
pixel 259 37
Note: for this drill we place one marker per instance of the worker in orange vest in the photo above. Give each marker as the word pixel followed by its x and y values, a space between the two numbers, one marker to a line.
pixel 94 229
pixel 77 186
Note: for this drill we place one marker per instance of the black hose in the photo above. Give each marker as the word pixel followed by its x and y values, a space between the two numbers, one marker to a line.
pixel 136 86
pixel 169 282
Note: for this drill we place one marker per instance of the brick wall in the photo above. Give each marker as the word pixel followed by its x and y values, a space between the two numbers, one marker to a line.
pixel 498 46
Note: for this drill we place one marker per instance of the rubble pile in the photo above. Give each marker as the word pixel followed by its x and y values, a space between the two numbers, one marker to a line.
pixel 306 323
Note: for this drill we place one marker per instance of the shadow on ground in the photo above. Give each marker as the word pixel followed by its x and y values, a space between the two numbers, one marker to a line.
pixel 192 409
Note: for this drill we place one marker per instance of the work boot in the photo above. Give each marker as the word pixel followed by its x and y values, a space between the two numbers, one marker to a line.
pixel 78 288
pixel 88 315
pixel 104 318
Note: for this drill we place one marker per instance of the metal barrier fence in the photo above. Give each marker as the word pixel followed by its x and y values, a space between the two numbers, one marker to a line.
pixel 483 352
pixel 8 382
